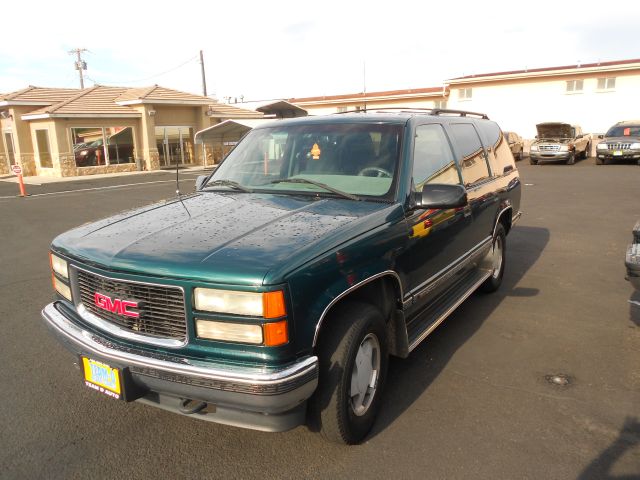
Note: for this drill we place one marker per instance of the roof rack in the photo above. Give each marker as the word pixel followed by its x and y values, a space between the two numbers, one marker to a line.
pixel 431 111
pixel 462 113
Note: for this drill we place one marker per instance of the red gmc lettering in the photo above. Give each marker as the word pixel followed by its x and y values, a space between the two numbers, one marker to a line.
pixel 121 307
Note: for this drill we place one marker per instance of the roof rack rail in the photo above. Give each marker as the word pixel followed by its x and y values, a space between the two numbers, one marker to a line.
pixel 462 113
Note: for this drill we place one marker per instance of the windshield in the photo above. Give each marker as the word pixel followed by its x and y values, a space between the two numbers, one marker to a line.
pixel 624 131
pixel 324 159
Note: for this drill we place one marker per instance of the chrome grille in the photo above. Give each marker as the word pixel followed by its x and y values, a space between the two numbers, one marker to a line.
pixel 619 146
pixel 161 308
pixel 549 148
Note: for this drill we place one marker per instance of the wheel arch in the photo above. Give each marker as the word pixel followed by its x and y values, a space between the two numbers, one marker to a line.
pixel 385 288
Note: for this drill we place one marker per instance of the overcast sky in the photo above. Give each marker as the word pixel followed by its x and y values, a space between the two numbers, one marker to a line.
pixel 277 49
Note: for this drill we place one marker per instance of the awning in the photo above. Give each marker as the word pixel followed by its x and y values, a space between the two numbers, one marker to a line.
pixel 229 130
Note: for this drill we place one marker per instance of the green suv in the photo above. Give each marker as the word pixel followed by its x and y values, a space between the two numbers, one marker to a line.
pixel 274 295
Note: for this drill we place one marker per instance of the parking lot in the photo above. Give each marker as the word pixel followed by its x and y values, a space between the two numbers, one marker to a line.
pixel 475 400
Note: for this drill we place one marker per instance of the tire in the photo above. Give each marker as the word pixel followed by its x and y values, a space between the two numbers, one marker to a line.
pixel 572 159
pixel 492 283
pixel 356 335
pixel 532 161
pixel 587 151
pixel 599 161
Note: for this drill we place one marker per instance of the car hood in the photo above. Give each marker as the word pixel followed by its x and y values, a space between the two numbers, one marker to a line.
pixel 553 130
pixel 222 237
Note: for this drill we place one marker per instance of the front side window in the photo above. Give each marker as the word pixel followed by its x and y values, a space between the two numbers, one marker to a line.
pixel 433 161
pixel 44 152
pixel 472 159
pixel 359 159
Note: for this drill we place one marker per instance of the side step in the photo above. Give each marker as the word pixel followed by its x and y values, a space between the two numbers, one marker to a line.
pixel 427 321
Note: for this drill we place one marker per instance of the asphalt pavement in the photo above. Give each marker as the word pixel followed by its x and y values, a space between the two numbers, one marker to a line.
pixel 476 400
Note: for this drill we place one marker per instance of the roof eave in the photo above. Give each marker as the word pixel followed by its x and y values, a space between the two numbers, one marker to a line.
pixel 379 98
pixel 203 102
pixel 551 73
pixel 41 116
pixel 24 103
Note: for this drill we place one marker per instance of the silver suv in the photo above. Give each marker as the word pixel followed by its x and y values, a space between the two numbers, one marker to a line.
pixel 621 142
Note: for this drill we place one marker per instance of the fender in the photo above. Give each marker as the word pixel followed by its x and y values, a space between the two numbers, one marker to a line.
pixel 504 206
pixel 387 273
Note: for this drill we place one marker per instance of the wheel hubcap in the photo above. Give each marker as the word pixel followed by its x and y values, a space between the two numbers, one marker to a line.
pixel 497 257
pixel 364 376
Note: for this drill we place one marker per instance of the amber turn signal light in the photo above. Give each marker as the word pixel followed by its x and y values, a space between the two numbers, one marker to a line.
pixel 273 304
pixel 275 333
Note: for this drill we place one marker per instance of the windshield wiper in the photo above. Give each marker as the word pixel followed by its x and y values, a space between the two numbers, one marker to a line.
pixel 318 184
pixel 227 183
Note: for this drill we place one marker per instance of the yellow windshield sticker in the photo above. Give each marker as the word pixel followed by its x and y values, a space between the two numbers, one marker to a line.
pixel 315 152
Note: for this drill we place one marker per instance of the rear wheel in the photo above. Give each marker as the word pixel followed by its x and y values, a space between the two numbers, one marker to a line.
pixel 587 151
pixel 498 257
pixel 353 355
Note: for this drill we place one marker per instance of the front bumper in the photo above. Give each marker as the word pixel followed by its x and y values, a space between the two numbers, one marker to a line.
pixel 550 156
pixel 618 154
pixel 270 399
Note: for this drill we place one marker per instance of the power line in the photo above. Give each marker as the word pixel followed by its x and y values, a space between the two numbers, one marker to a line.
pixel 158 74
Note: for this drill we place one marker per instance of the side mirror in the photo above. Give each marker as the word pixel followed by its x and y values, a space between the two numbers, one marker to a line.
pixel 536 137
pixel 600 137
pixel 441 196
pixel 200 181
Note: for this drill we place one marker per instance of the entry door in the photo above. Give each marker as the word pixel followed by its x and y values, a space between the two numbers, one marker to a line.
pixel 437 237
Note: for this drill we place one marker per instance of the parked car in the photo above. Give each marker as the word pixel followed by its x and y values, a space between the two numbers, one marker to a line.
pixel 274 295
pixel 515 144
pixel 557 141
pixel 621 142
pixel 632 261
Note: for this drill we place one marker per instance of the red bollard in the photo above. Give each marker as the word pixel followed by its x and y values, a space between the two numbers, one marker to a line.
pixel 17 171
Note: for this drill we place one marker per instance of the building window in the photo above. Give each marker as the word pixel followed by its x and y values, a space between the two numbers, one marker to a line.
pixel 175 145
pixel 44 152
pixel 95 146
pixel 607 83
pixel 441 104
pixel 464 93
pixel 575 86
pixel 8 139
pixel 342 109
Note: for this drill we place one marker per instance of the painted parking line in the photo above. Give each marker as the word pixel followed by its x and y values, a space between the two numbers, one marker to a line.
pixel 110 187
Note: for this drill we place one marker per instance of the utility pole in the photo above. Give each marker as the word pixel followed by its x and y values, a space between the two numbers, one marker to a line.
pixel 204 80
pixel 80 64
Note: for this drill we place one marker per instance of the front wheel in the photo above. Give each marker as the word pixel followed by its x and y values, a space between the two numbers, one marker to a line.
pixel 572 158
pixel 498 256
pixel 353 355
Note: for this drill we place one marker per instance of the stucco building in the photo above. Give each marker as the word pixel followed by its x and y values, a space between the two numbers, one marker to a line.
pixel 102 129
pixel 594 95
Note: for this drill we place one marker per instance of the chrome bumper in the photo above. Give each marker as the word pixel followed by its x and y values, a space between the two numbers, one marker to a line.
pixel 255 390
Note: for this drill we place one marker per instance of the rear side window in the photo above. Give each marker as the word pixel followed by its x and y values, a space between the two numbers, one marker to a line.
pixel 433 161
pixel 472 160
pixel 498 151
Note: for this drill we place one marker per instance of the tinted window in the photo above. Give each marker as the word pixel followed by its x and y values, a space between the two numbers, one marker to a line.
pixel 472 161
pixel 433 161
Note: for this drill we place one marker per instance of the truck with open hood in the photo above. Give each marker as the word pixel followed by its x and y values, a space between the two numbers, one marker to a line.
pixel 559 142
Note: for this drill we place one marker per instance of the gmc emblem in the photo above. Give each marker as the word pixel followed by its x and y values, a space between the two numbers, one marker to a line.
pixel 121 307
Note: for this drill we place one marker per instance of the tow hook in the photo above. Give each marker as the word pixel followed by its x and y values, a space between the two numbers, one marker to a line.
pixel 189 406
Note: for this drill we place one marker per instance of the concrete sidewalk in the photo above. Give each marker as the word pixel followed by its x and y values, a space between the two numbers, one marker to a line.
pixel 40 180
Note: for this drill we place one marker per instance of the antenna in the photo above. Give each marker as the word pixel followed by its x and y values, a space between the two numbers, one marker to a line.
pixel 364 83
pixel 179 195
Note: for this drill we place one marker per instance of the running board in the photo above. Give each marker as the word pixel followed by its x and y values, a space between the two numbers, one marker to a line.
pixel 443 306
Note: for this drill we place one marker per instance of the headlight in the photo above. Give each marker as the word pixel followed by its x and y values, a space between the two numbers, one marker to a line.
pixel 229 332
pixel 534 148
pixel 253 304
pixel 59 266
pixel 270 334
pixel 61 288
pixel 564 148
pixel 602 146
pixel 635 146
